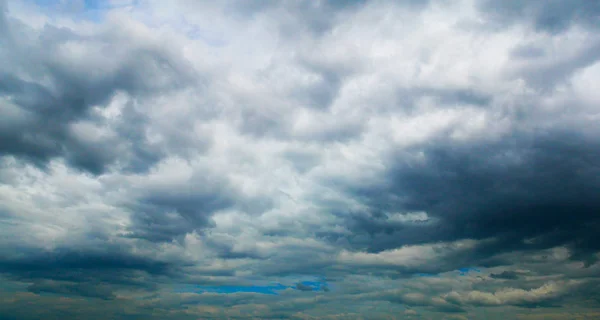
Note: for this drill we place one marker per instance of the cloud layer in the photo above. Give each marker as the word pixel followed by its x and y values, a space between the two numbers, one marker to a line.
pixel 299 159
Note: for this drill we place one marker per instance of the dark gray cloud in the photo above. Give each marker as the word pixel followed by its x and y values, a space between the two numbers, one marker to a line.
pixel 108 265
pixel 86 274
pixel 77 289
pixel 508 275
pixel 38 117
pixel 303 287
pixel 167 214
pixel 529 187
pixel 550 16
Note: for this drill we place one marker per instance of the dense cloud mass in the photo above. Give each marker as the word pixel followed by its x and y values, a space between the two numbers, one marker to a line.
pixel 300 159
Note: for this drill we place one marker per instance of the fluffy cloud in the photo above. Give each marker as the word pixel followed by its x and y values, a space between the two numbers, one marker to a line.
pixel 299 159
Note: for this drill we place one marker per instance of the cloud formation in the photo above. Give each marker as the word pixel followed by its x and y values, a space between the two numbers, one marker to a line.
pixel 299 159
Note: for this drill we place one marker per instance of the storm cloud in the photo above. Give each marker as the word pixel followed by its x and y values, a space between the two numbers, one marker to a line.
pixel 299 159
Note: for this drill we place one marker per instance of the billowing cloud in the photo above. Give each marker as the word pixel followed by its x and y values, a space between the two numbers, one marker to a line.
pixel 299 159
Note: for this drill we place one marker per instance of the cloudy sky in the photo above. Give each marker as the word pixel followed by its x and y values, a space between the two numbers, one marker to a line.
pixel 403 159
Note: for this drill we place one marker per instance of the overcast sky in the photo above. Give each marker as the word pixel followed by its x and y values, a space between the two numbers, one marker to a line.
pixel 404 159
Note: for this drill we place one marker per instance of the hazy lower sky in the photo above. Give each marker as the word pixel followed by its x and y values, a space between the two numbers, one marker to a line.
pixel 409 159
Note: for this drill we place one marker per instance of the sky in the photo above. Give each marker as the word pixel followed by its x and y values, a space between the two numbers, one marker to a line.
pixel 188 159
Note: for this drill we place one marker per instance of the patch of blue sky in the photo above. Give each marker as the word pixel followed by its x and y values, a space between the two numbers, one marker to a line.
pixel 95 10
pixel 269 289
pixel 467 270
pixel 91 10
